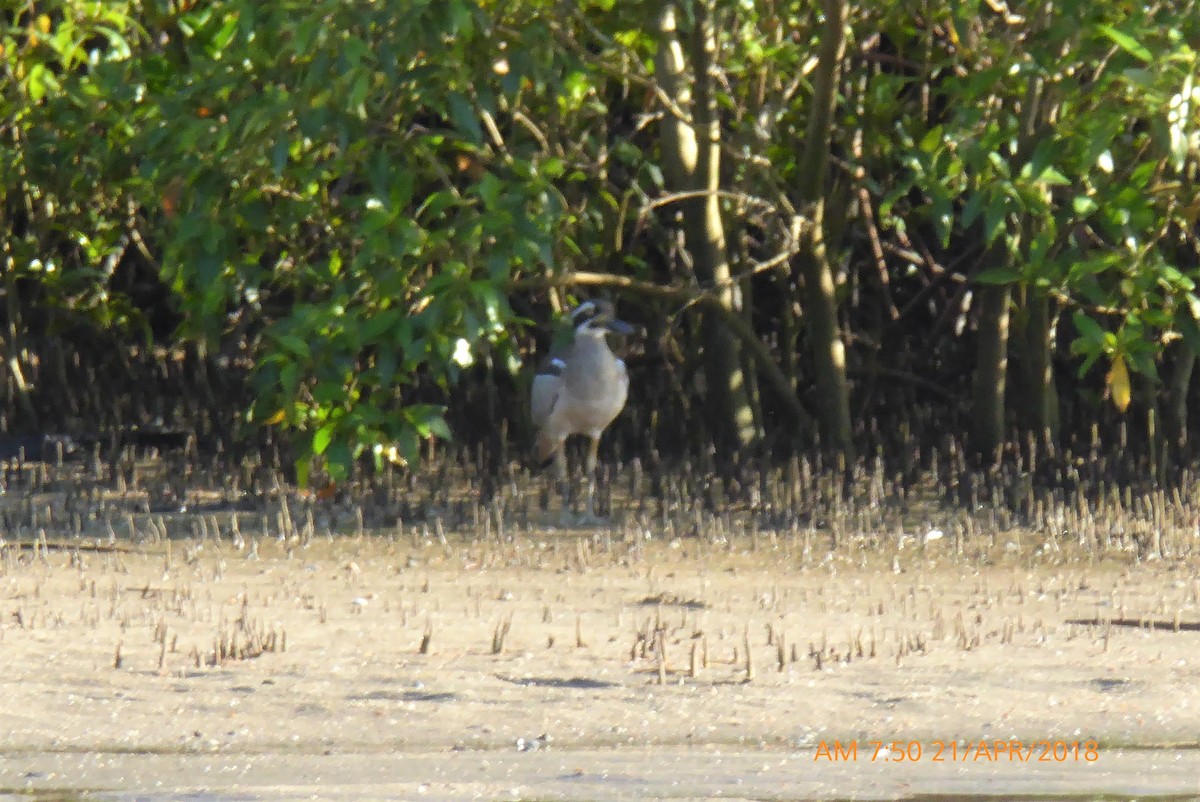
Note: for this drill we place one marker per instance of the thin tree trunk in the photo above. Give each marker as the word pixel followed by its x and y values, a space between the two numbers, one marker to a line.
pixel 691 155
pixel 1181 363
pixel 812 260
pixel 1040 398
pixel 738 326
pixel 991 370
pixel 1037 340
pixel 748 358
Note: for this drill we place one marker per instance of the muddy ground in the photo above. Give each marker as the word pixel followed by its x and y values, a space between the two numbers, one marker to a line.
pixel 588 664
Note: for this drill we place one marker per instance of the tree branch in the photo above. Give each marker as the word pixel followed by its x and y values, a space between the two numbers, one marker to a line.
pixel 688 295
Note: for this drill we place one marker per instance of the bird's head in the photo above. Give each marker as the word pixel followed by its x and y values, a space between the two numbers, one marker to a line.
pixel 598 316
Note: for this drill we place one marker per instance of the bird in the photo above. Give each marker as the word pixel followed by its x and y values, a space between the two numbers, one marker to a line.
pixel 579 389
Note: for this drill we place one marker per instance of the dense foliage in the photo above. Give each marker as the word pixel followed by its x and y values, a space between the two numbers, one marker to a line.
pixel 368 200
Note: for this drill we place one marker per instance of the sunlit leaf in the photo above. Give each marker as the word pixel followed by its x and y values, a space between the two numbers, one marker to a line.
pixel 1118 383
pixel 322 438
pixel 1127 43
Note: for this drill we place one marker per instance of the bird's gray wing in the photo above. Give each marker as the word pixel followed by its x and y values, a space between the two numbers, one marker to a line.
pixel 544 394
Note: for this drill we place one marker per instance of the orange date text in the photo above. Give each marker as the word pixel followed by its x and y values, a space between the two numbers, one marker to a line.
pixel 982 751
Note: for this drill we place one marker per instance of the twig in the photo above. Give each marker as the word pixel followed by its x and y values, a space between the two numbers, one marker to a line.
pixel 868 216
pixel 690 295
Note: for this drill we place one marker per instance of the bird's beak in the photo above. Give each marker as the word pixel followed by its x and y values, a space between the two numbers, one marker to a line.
pixel 620 327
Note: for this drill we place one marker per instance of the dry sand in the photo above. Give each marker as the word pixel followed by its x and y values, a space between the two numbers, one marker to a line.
pixel 925 647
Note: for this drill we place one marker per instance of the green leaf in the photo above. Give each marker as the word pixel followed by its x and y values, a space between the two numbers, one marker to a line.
pixel 358 93
pixel 329 394
pixel 998 275
pixel 224 36
pixel 1088 329
pixel 1126 42
pixel 1087 363
pixel 338 460
pixel 435 204
pixel 401 188
pixel 408 445
pixel 322 438
pixel 462 114
pixel 577 86
pixel 378 323
pixel 971 210
pixel 279 156
pixel 1094 266
pixel 1052 177
pixel 303 471
pixel 1039 248
pixel 38 78
pixel 993 218
pixel 932 141
pixel 385 366
pixel 294 343
pixel 553 168
pixel 289 378
pixel 1190 331
pixel 428 420
pixel 1142 361
pixel 1143 78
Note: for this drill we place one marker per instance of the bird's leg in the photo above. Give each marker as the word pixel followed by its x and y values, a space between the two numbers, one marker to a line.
pixel 593 447
pixel 564 483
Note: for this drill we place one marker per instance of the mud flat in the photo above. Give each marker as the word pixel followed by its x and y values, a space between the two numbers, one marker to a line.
pixel 580 665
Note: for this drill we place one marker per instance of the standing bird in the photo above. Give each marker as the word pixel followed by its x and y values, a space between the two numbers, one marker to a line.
pixel 579 389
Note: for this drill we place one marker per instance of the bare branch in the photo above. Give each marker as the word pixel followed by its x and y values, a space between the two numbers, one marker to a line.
pixel 711 303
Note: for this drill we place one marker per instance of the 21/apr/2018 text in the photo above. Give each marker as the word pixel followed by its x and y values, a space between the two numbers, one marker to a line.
pixel 995 751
